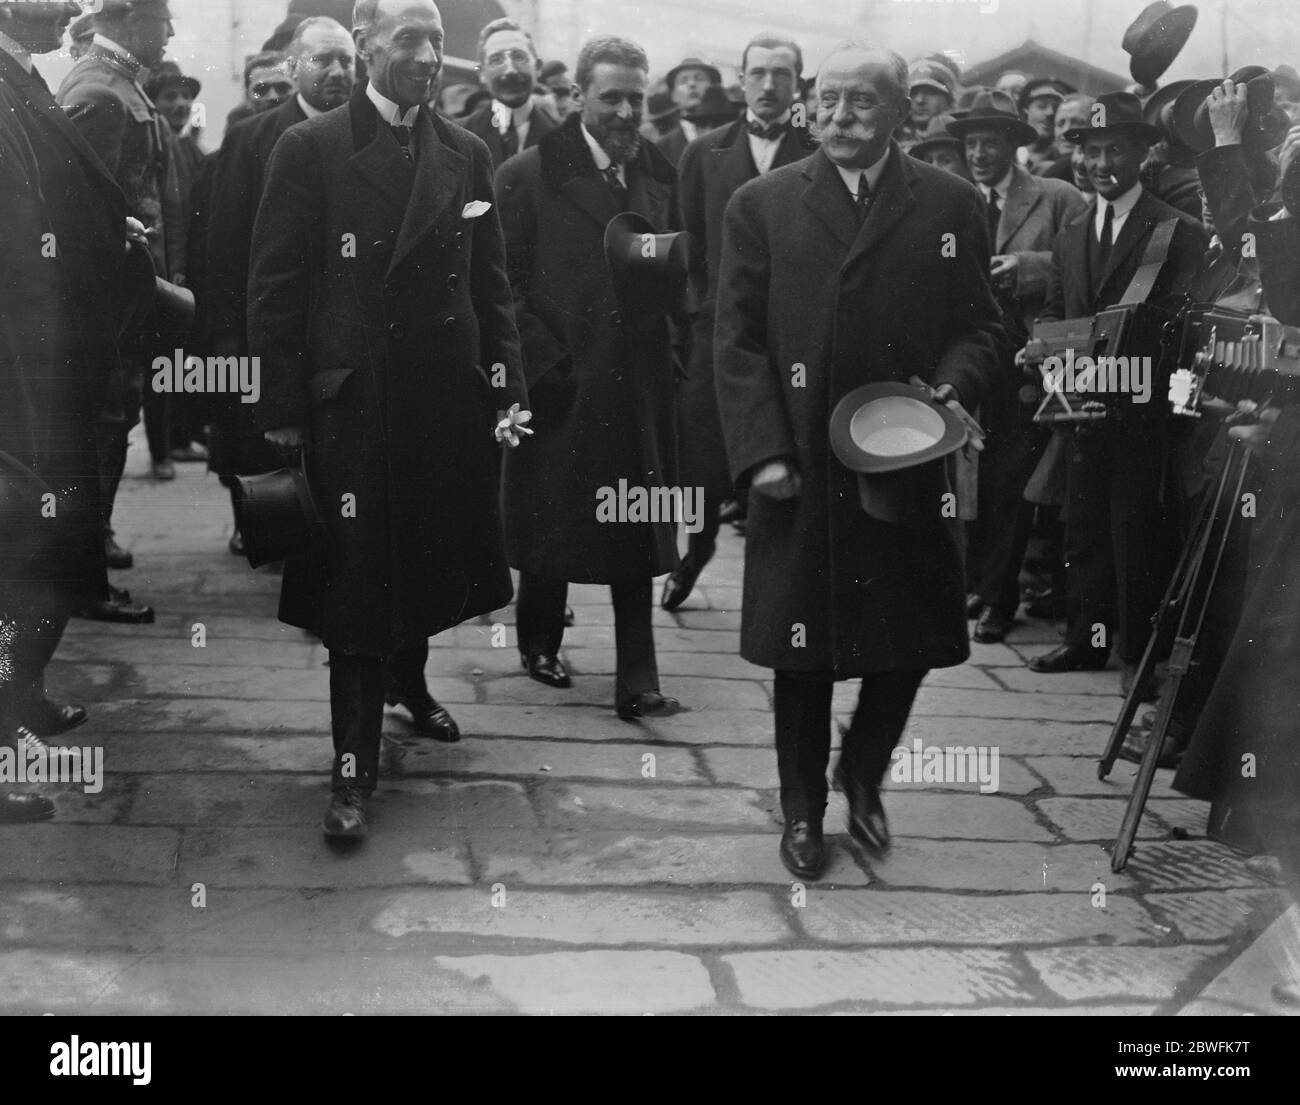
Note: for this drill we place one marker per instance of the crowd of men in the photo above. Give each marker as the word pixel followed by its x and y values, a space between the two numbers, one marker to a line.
pixel 461 373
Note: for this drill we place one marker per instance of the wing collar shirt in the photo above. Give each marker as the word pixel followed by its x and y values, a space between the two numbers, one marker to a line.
pixel 1123 205
pixel 389 112
pixel 18 53
pixel 601 158
pixel 852 177
pixel 763 150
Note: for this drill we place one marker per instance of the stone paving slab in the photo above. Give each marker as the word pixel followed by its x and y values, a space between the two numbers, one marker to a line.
pixel 991 866
pixel 582 806
pixel 71 853
pixel 1161 973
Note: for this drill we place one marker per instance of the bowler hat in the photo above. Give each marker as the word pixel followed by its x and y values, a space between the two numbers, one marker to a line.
pixel 931 74
pixel 993 110
pixel 894 436
pixel 648 269
pixel 693 63
pixel 277 515
pixel 936 134
pixel 1155 37
pixel 1116 111
pixel 167 73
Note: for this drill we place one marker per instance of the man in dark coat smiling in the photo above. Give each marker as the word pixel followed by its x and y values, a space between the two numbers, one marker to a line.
pixel 856 265
pixel 379 305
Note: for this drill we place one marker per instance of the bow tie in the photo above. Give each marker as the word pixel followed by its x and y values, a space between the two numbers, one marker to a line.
pixel 770 131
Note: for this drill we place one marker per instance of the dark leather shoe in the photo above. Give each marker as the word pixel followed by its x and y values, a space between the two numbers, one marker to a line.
pixel 732 510
pixel 348 815
pixel 1048 605
pixel 117 610
pixel 679 585
pixel 163 469
pixel 549 670
pixel 569 619
pixel 974 604
pixel 802 849
pixel 648 704
pixel 236 543
pixel 16 809
pixel 427 716
pixel 1069 658
pixel 867 822
pixel 992 627
pixel 117 557
pixel 48 719
pixel 1135 747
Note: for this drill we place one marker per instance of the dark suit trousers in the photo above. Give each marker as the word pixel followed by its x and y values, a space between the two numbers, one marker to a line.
pixel 1120 538
pixel 1005 518
pixel 539 619
pixel 357 687
pixel 802 703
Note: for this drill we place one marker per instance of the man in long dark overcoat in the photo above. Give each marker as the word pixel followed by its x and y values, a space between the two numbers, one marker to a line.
pixel 711 170
pixel 600 378
pixel 856 265
pixel 379 306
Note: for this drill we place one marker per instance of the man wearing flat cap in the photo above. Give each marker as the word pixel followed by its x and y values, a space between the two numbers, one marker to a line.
pixel 1039 100
pixel 687 84
pixel 818 294
pixel 105 99
pixel 931 89
pixel 1121 531
pixel 1025 214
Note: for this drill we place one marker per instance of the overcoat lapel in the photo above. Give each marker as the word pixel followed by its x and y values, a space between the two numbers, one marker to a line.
pixel 893 201
pixel 439 170
pixel 1021 200
pixel 377 158
pixel 826 197
pixel 1135 229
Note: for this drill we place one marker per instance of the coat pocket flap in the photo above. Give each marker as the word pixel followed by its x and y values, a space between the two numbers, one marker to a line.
pixel 326 385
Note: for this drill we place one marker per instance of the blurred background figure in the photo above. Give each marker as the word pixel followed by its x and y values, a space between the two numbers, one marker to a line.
pixel 81 33
pixel 687 84
pixel 1012 83
pixel 266 85
pixel 555 77
pixel 931 88
pixel 942 149
pixel 1038 103
pixel 508 66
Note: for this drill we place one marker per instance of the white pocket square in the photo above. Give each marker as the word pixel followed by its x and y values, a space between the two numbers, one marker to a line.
pixel 475 208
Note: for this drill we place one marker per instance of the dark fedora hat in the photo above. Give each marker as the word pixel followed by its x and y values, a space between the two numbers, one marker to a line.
pixel 936 134
pixel 693 63
pixel 648 269
pixel 1265 123
pixel 895 437
pixel 1158 110
pixel 277 515
pixel 993 110
pixel 1116 111
pixel 1155 37
pixel 1181 117
pixel 168 73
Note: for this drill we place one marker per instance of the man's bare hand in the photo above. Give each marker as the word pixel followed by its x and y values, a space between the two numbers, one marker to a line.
pixel 1255 435
pixel 135 232
pixel 777 480
pixel 1004 269
pixel 1227 109
pixel 286 437
pixel 947 395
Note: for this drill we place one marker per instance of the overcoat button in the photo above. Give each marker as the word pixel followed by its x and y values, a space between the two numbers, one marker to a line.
pixel 378 245
pixel 449 324
pixel 391 288
pixel 615 317
pixel 396 330
pixel 453 282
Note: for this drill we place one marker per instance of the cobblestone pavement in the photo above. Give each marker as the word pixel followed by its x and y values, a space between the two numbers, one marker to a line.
pixel 561 860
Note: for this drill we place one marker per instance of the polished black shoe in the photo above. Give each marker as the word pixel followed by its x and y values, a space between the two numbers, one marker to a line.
pixel 1069 658
pixel 549 670
pixel 236 543
pixel 1047 605
pixel 48 719
pixel 17 809
pixel 867 822
pixel 117 557
pixel 679 585
pixel 428 718
pixel 732 510
pixel 802 849
pixel 648 704
pixel 974 604
pixel 190 453
pixel 348 815
pixel 992 627
pixel 117 610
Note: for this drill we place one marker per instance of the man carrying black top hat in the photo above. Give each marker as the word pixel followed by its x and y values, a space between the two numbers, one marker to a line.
pixel 817 295
pixel 1121 532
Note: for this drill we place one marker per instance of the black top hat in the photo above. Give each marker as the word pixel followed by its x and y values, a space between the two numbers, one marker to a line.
pixel 894 436
pixel 648 269
pixel 167 73
pixel 1116 111
pixel 693 63
pixel 936 134
pixel 715 106
pixel 1155 37
pixel 993 110
pixel 278 516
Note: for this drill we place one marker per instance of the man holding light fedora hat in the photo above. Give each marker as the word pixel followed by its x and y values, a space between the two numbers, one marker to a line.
pixel 817 296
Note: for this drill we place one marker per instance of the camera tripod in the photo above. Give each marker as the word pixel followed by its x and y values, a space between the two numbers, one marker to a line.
pixel 1179 619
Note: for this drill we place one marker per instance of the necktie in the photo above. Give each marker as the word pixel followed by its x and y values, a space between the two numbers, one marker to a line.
pixel 615 186
pixel 509 140
pixel 1107 231
pixel 770 131
pixel 995 216
pixel 403 136
pixel 865 198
